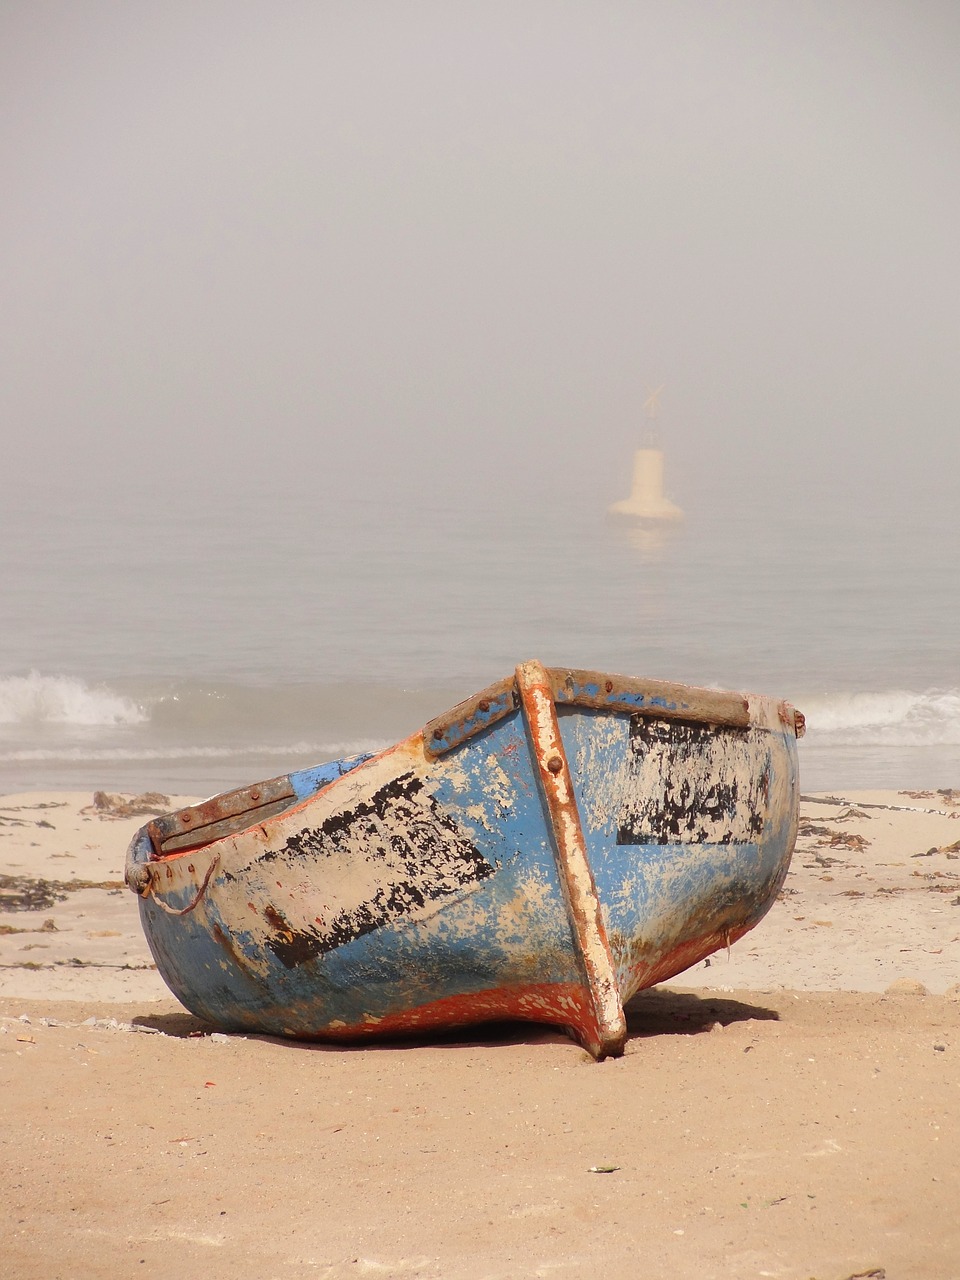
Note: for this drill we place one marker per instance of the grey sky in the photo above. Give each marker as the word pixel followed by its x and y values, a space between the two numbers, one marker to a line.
pixel 408 243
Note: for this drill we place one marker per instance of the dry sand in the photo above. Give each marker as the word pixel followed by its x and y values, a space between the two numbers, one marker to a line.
pixel 779 1113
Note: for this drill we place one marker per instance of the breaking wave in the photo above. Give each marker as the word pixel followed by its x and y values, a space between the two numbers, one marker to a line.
pixel 62 700
pixel 894 718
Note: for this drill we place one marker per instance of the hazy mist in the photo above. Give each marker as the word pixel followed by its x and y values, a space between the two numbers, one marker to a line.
pixel 412 246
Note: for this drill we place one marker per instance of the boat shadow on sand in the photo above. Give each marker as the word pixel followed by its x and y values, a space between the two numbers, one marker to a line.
pixel 659 1012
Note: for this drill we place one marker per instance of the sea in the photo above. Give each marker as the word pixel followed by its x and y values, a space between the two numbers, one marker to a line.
pixel 195 645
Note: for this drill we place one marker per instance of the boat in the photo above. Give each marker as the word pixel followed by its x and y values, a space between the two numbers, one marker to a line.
pixel 548 848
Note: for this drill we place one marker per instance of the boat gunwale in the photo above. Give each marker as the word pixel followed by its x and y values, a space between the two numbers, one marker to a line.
pixel 199 826
pixel 600 691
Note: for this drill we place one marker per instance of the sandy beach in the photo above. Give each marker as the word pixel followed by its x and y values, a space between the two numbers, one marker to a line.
pixel 792 1110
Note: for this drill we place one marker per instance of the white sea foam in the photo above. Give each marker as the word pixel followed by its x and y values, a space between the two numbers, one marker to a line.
pixel 39 699
pixel 893 718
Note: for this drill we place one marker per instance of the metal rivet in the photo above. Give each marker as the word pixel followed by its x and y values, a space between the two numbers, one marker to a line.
pixel 186 817
pixel 554 764
pixel 484 705
pixel 609 686
pixel 437 734
pixel 254 795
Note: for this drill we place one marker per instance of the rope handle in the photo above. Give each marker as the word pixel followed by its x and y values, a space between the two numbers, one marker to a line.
pixel 149 889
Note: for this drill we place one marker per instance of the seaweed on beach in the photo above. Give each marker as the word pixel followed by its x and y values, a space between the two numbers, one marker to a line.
pixel 22 893
pixel 111 807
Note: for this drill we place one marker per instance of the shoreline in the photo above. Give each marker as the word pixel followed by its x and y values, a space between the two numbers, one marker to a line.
pixel 867 767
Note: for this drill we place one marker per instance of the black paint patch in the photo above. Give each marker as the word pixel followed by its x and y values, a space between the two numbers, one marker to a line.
pixel 424 855
pixel 691 783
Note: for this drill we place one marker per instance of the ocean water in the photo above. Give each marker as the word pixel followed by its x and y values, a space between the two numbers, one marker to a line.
pixel 229 637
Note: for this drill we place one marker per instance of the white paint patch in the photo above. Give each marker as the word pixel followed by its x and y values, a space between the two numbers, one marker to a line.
pixel 695 784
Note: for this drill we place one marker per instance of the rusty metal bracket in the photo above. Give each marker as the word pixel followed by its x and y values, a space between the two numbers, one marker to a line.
pixel 223 815
pixel 606 1032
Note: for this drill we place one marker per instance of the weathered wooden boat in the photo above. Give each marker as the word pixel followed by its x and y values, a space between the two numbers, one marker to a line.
pixel 543 851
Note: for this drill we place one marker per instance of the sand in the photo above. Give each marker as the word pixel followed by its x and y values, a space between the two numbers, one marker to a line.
pixel 790 1111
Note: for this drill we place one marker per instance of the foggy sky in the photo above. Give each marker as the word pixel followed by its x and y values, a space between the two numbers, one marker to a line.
pixel 415 245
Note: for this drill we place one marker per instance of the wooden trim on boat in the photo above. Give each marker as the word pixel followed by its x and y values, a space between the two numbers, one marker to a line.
pixel 444 732
pixel 607 1033
pixel 660 699
pixel 573 687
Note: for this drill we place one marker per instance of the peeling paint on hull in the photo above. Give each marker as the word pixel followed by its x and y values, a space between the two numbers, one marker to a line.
pixel 542 852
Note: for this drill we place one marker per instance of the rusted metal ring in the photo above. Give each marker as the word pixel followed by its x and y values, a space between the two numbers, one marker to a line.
pixel 138 877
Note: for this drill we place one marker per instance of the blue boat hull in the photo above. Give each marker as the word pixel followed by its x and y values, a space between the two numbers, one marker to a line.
pixel 543 852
